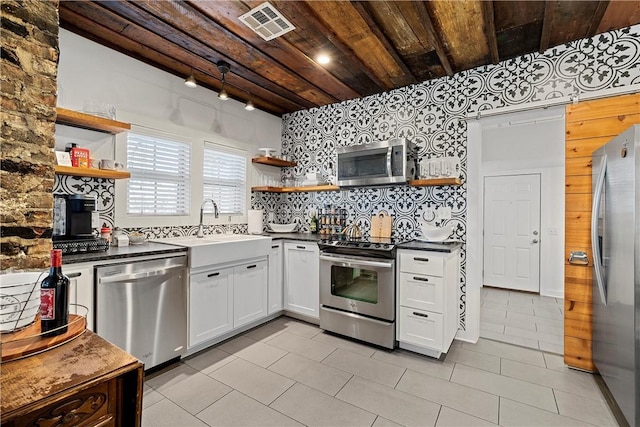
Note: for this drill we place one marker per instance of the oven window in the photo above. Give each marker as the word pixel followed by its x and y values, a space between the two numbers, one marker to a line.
pixel 354 283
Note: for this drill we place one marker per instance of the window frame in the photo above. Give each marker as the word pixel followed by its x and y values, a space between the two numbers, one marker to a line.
pixel 197 140
pixel 239 152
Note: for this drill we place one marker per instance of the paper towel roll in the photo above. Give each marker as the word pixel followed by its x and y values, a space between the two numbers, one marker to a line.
pixel 254 218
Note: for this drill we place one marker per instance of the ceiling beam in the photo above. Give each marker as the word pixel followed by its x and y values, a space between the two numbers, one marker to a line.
pixel 547 25
pixel 116 32
pixel 361 7
pixel 490 30
pixel 279 48
pixel 314 26
pixel 190 28
pixel 597 17
pixel 436 41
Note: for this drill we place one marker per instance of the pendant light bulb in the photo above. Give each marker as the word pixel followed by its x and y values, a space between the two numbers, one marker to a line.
pixel 224 68
pixel 249 106
pixel 223 95
pixel 190 81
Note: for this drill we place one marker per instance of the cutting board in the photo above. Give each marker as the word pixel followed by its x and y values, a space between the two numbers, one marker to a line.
pixel 381 225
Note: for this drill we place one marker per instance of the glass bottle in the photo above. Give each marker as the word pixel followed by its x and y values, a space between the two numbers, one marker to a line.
pixel 54 298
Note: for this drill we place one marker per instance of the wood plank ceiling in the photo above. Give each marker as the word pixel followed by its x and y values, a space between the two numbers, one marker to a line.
pixel 374 46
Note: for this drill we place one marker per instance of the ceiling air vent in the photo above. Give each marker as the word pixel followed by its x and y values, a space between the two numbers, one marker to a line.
pixel 266 21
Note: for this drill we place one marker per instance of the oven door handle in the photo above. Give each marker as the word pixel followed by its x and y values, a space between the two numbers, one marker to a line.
pixel 358 261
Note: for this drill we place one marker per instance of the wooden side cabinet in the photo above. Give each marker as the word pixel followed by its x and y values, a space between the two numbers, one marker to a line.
pixel 85 382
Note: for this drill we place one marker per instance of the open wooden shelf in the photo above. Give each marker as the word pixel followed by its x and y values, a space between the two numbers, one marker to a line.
pixel 434 181
pixel 296 189
pixel 92 172
pixel 88 121
pixel 272 161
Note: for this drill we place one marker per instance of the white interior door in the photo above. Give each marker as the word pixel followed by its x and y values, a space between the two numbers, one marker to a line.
pixel 512 232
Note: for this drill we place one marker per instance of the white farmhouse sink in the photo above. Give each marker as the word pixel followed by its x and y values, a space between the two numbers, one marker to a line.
pixel 215 249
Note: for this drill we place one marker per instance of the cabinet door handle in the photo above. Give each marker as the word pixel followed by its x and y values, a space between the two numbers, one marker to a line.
pixel 301 247
pixel 72 275
pixel 421 279
pixel 251 266
pixel 421 259
pixel 415 313
pixel 213 274
pixel 275 246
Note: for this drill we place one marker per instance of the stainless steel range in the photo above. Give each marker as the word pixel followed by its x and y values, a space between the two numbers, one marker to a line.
pixel 358 289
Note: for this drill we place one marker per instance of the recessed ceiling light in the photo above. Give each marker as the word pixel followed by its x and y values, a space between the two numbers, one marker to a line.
pixel 323 59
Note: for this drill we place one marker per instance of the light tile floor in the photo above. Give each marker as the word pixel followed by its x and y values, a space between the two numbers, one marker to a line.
pixel 288 372
pixel 522 318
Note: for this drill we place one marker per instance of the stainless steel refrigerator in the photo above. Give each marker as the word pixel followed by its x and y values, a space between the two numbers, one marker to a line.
pixel 615 236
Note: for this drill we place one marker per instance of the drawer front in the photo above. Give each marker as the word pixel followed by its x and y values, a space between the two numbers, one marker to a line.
pixel 423 292
pixel 422 263
pixel 420 328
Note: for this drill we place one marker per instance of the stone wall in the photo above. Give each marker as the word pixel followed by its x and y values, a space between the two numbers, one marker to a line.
pixel 28 85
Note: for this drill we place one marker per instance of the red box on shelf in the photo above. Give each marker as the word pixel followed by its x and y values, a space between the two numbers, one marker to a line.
pixel 79 157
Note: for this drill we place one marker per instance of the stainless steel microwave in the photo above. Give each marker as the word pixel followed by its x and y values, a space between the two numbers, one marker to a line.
pixel 378 163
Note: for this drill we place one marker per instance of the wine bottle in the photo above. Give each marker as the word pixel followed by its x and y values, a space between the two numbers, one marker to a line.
pixel 54 298
pixel 314 224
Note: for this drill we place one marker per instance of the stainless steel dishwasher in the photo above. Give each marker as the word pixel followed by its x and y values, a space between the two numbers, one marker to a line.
pixel 142 308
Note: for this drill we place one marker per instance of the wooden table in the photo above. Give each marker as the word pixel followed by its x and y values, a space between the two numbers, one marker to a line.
pixel 85 382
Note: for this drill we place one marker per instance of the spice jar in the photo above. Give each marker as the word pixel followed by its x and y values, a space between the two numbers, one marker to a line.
pixel 105 233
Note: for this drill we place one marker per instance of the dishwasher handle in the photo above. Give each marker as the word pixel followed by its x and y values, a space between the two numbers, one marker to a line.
pixel 135 276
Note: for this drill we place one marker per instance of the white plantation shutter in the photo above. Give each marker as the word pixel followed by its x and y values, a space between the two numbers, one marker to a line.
pixel 224 176
pixel 159 183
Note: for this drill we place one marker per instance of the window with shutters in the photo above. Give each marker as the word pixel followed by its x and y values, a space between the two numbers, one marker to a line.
pixel 160 168
pixel 224 174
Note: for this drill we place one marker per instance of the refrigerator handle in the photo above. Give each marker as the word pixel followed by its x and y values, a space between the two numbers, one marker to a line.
pixel 597 256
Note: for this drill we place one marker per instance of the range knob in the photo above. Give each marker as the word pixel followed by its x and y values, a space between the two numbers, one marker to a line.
pixel 377 245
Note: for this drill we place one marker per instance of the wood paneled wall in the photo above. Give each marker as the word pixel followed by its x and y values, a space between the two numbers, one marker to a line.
pixel 589 125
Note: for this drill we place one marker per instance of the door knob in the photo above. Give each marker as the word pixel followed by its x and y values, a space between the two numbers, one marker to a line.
pixel 534 241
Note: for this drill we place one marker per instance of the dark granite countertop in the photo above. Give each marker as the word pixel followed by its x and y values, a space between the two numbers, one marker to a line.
pixel 146 248
pixel 419 245
pixel 307 237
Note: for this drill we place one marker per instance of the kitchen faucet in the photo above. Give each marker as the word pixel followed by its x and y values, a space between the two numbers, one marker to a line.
pixel 215 213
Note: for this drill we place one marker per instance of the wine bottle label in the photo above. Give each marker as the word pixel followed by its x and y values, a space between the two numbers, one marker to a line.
pixel 47 304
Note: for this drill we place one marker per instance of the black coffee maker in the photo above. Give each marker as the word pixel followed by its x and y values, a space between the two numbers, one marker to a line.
pixel 78 210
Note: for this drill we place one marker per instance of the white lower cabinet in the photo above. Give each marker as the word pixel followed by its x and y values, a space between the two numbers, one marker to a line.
pixel 275 278
pixel 226 297
pixel 427 300
pixel 302 279
pixel 210 304
pixel 249 293
pixel 81 290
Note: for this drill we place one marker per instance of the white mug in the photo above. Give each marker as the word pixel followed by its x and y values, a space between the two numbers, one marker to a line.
pixel 106 164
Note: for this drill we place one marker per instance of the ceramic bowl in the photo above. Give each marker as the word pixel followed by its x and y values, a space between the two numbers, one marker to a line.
pixel 136 238
pixel 282 228
pixel 435 234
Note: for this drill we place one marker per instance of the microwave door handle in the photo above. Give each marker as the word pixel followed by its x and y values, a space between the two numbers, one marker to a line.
pixel 597 256
pixel 389 170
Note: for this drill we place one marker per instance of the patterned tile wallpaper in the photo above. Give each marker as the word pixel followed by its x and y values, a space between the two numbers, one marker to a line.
pixel 430 115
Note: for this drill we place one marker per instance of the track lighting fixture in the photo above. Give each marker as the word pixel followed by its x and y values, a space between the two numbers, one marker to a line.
pixel 190 81
pixel 224 68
